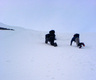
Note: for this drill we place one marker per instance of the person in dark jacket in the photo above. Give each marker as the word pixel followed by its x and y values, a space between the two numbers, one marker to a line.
pixel 76 39
pixel 51 37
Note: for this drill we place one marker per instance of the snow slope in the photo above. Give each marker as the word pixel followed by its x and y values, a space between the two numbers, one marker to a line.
pixel 25 56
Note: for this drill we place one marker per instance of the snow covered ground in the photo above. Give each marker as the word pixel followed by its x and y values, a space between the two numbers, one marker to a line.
pixel 25 56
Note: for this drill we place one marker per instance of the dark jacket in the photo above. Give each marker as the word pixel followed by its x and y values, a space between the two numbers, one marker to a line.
pixel 50 37
pixel 75 39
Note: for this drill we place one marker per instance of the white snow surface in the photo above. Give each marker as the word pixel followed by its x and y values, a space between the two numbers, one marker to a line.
pixel 25 56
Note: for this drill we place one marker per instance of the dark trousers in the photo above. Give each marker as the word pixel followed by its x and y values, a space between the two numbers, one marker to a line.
pixel 81 44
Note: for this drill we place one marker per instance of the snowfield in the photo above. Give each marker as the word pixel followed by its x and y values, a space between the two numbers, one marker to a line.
pixel 25 56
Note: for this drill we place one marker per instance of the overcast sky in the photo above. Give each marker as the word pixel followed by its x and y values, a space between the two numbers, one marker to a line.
pixel 60 15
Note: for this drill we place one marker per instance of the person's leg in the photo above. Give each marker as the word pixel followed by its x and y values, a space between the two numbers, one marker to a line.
pixel 46 39
pixel 52 40
pixel 81 44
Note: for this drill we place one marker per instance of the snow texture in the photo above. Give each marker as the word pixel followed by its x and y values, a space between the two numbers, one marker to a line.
pixel 25 56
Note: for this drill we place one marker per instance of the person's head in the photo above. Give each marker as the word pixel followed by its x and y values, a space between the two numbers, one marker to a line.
pixel 52 32
pixel 76 35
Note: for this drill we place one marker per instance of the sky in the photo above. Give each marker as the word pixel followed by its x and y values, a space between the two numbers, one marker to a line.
pixel 43 15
